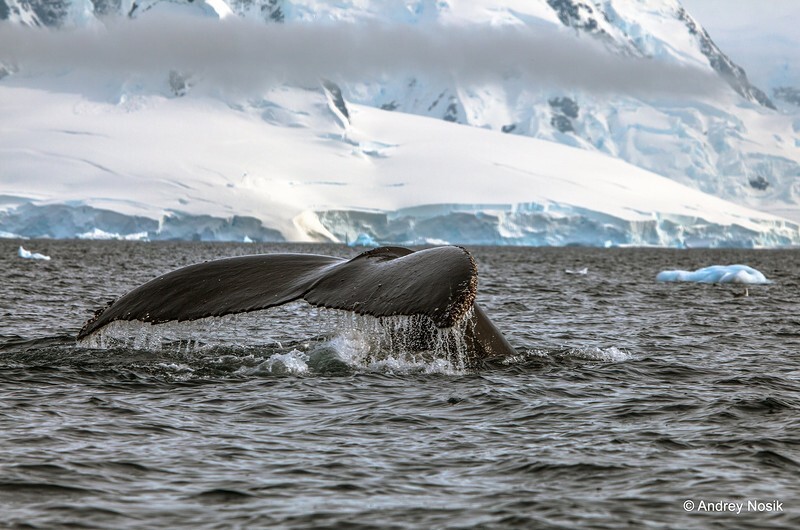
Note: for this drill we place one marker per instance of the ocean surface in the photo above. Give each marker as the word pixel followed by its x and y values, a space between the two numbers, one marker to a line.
pixel 631 404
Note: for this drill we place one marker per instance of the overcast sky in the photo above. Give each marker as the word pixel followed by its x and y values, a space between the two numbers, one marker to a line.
pixel 763 36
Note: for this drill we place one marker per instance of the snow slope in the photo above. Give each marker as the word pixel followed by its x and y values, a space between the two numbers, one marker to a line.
pixel 733 145
pixel 290 161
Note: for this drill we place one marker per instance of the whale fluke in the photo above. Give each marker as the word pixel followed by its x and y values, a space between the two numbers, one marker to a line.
pixel 439 283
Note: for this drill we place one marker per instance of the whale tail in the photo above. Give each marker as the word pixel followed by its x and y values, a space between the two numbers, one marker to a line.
pixel 438 283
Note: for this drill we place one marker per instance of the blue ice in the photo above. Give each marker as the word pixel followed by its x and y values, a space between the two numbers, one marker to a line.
pixel 715 274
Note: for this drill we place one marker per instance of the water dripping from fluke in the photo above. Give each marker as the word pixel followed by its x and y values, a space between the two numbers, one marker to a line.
pixel 344 342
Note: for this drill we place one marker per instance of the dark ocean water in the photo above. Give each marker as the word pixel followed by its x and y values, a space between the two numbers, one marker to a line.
pixel 628 399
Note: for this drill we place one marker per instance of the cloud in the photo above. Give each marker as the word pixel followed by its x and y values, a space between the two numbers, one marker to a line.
pixel 240 54
pixel 760 37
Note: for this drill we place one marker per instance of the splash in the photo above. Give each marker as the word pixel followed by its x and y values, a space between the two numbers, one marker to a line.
pixel 232 331
pixel 611 354
pixel 400 343
pixel 340 340
pixel 293 362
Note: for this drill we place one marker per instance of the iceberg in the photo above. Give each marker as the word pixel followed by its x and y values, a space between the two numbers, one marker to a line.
pixel 27 254
pixel 715 274
pixel 583 271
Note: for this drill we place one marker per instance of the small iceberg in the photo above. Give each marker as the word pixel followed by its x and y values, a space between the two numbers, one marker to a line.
pixel 584 270
pixel 715 274
pixel 27 254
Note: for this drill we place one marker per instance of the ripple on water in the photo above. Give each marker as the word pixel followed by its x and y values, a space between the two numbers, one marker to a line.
pixel 626 399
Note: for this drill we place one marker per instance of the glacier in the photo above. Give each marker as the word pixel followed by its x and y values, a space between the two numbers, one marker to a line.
pixel 413 157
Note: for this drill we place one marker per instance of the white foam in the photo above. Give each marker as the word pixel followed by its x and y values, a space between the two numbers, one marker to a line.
pixel 178 369
pixel 610 354
pixel 294 362
pixel 398 365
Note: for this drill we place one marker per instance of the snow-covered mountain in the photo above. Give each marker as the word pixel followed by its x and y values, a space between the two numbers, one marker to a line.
pixel 169 154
